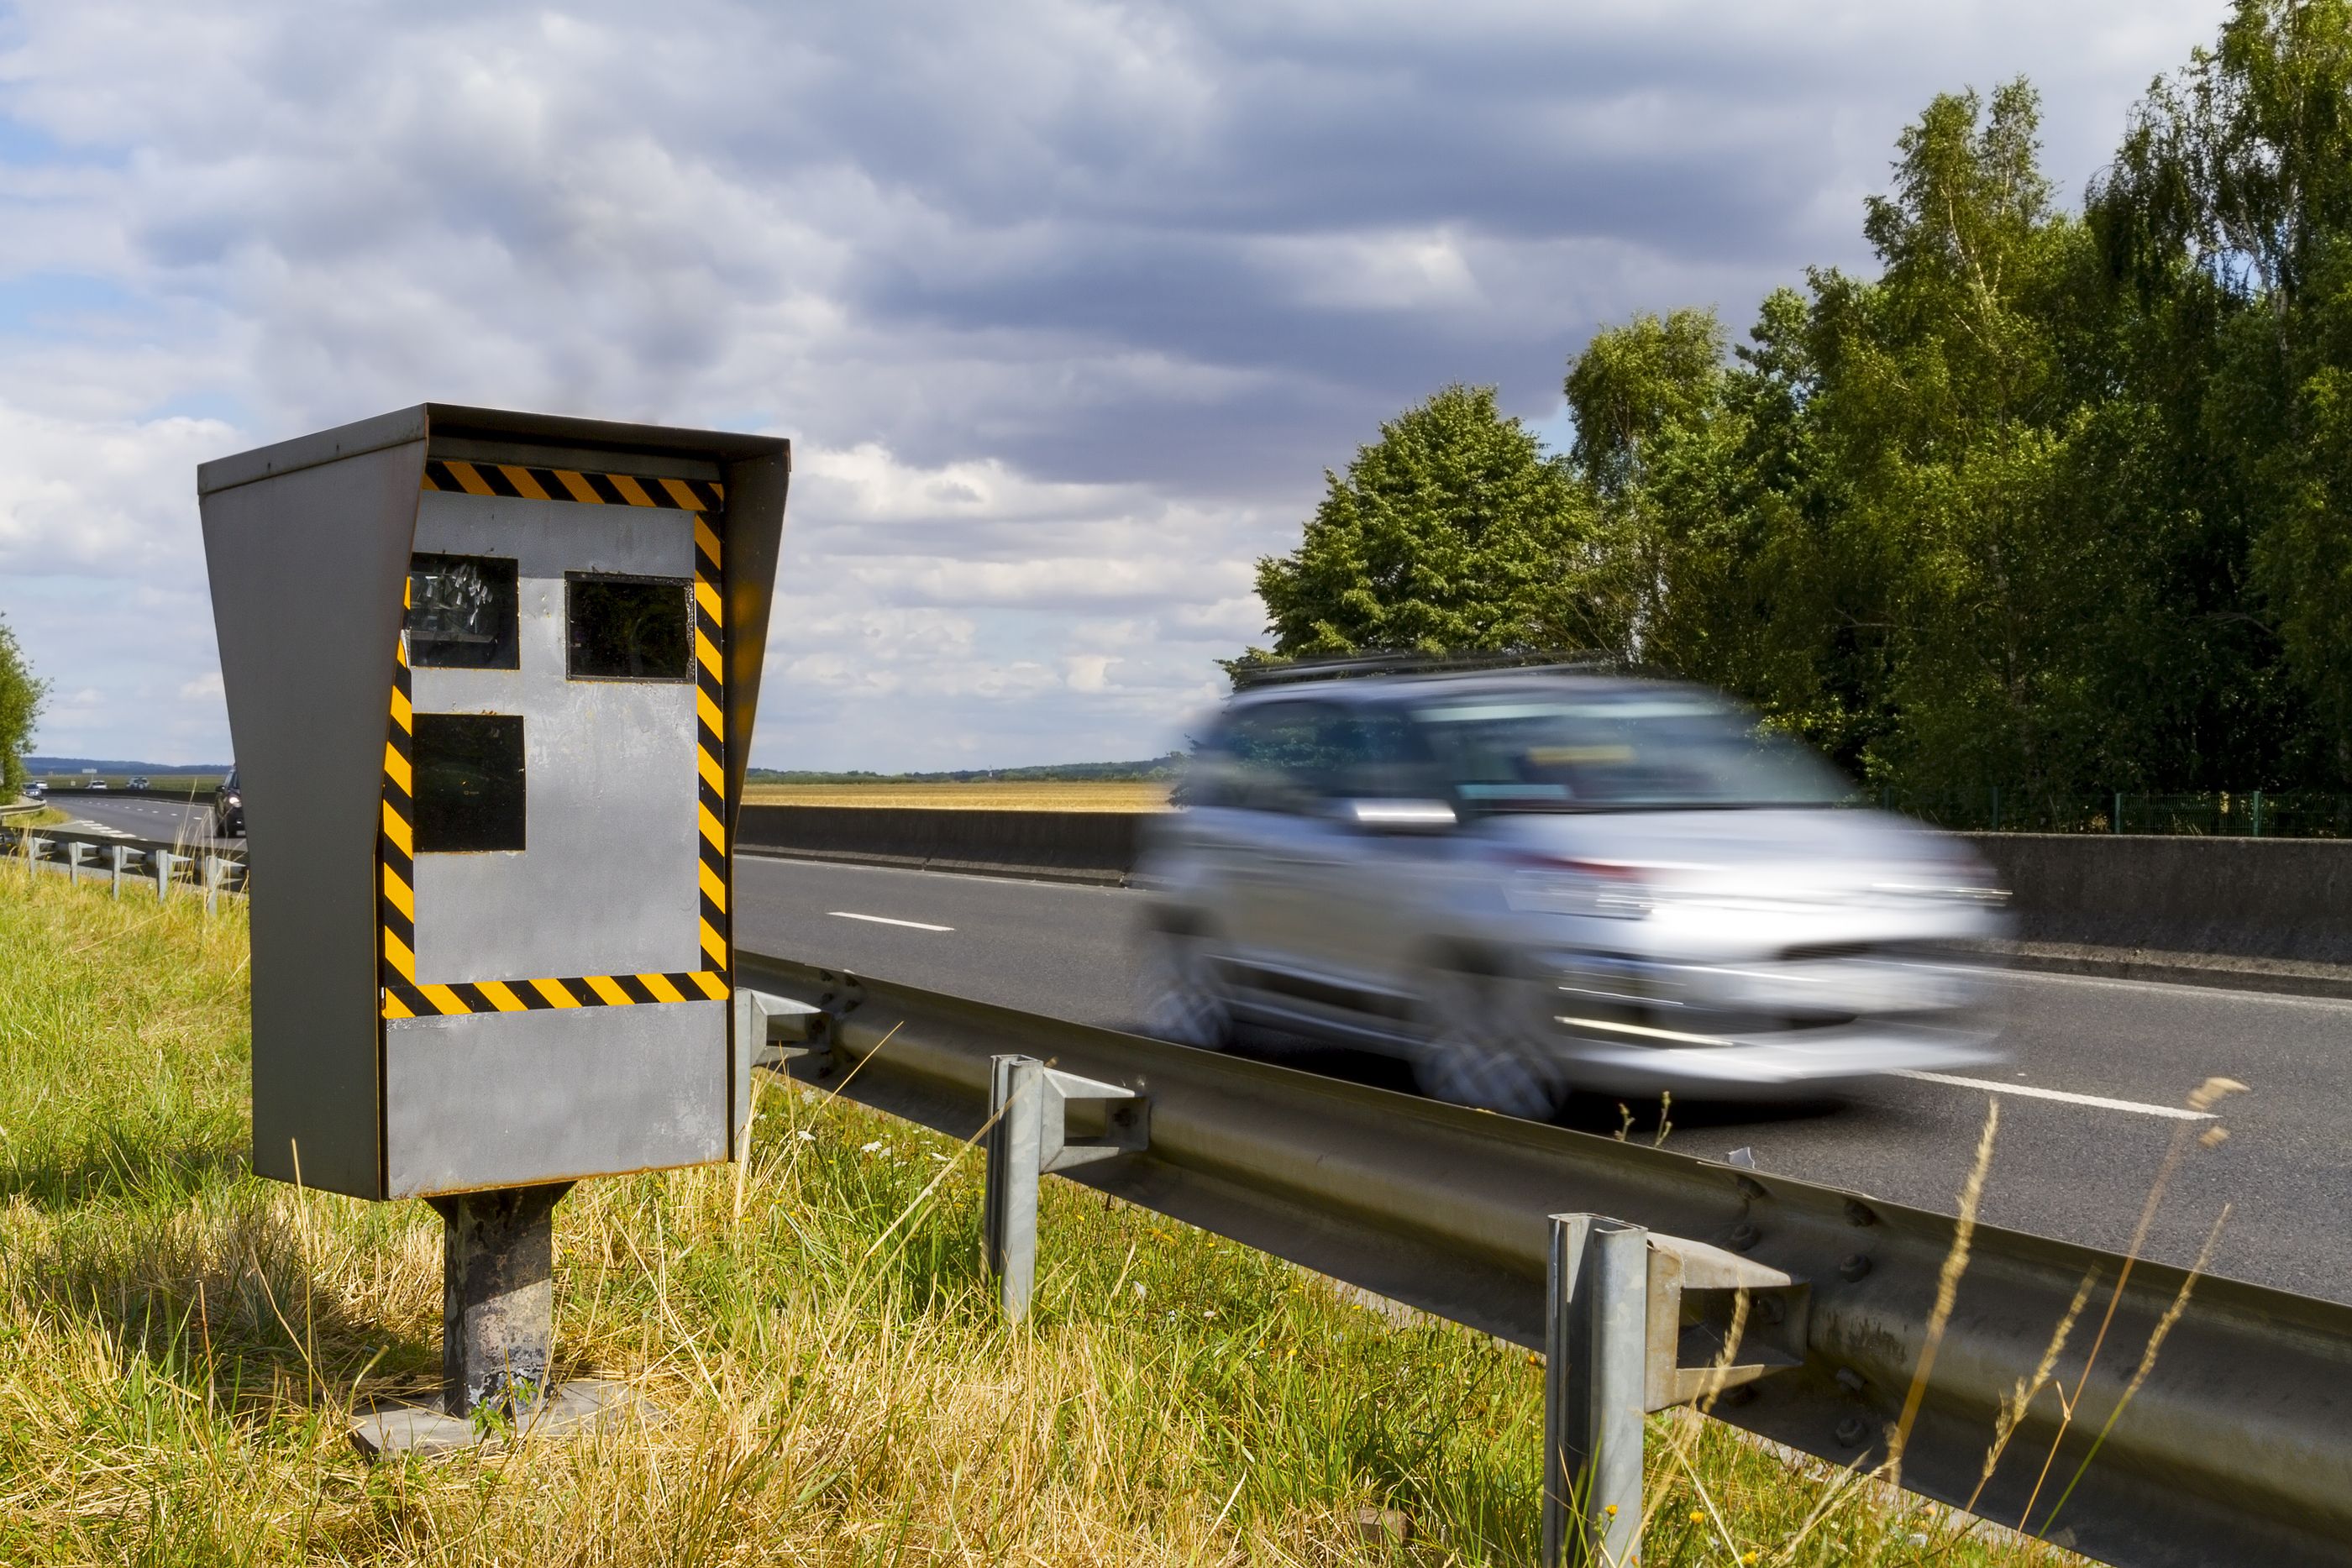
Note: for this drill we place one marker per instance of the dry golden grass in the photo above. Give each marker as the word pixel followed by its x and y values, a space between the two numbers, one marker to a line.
pixel 1001 797
pixel 823 1379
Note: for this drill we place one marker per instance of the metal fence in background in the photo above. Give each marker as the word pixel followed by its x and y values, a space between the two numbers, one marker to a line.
pixel 2254 814
pixel 138 865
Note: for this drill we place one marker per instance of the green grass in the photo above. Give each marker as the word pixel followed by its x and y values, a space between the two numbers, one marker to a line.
pixel 824 1377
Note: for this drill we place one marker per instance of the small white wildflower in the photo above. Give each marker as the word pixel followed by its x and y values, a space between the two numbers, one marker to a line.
pixel 938 1156
pixel 871 1148
pixel 806 1136
pixel 1137 1285
pixel 1209 1312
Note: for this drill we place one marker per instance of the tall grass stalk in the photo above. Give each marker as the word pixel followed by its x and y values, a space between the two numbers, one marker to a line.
pixel 185 1344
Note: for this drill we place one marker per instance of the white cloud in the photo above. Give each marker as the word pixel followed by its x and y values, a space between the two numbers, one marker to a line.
pixel 1067 304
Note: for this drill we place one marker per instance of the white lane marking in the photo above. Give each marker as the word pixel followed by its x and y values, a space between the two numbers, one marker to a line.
pixel 2096 1102
pixel 885 920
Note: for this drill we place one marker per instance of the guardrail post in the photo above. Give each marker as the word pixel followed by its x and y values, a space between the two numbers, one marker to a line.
pixel 1009 1214
pixel 1028 1107
pixel 212 883
pixel 1596 1343
pixel 120 855
pixel 32 858
pixel 161 861
pixel 74 852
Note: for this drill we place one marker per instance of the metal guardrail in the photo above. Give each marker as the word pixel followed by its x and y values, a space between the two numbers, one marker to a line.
pixel 2213 1426
pixel 164 863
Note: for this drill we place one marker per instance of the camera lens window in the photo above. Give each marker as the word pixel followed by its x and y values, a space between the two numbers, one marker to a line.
pixel 461 613
pixel 628 628
pixel 468 779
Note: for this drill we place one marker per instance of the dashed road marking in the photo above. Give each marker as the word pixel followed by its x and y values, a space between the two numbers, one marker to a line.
pixel 2096 1101
pixel 885 920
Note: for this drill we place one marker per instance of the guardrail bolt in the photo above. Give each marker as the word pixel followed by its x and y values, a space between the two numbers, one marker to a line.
pixel 1858 1212
pixel 1852 1431
pixel 1742 1235
pixel 1852 1267
pixel 1851 1382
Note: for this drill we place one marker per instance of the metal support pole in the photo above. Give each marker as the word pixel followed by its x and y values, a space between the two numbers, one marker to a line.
pixel 163 862
pixel 1028 1136
pixel 1596 1341
pixel 32 858
pixel 498 1297
pixel 1009 1218
pixel 2258 814
pixel 74 852
pixel 212 883
pixel 120 855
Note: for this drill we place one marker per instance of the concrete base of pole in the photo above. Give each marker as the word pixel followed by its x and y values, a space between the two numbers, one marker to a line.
pixel 424 1428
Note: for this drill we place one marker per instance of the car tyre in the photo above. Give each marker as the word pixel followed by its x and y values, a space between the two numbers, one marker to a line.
pixel 1180 998
pixel 1469 1055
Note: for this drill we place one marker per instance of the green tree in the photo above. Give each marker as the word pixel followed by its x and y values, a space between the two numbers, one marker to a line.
pixel 2227 218
pixel 20 708
pixel 1453 531
pixel 1647 399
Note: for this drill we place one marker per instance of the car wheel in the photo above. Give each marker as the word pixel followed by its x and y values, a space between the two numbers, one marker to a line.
pixel 1180 998
pixel 1470 1055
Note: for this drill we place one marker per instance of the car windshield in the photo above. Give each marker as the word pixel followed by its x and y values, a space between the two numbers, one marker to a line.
pixel 1620 751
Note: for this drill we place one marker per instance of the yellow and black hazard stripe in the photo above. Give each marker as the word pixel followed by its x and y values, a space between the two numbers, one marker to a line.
pixel 710 732
pixel 403 995
pixel 395 836
pixel 524 483
pixel 403 998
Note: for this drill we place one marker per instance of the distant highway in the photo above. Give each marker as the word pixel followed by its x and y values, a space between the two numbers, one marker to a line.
pixel 2089 1104
pixel 139 818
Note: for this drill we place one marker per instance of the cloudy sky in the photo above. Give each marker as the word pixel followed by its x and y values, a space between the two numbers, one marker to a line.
pixel 1065 307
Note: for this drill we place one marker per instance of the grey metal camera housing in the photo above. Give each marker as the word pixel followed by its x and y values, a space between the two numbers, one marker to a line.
pixel 488 831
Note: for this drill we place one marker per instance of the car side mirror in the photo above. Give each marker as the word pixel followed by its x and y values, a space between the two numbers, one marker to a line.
pixel 1399 816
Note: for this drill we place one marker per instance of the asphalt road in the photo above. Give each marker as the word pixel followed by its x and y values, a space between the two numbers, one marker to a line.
pixel 2096 1063
pixel 137 817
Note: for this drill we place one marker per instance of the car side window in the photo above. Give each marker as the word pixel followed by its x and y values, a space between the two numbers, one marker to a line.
pixel 1282 755
pixel 1383 756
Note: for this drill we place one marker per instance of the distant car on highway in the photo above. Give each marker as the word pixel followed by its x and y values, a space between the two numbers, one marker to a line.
pixel 1531 882
pixel 139 783
pixel 228 808
pixel 35 789
pixel 96 786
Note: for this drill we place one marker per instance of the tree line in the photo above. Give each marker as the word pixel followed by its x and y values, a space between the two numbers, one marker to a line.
pixel 2060 499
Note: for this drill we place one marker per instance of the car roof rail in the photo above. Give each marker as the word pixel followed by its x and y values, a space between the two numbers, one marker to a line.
pixel 1250 675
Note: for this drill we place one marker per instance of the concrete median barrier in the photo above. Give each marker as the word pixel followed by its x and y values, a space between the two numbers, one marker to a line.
pixel 1054 846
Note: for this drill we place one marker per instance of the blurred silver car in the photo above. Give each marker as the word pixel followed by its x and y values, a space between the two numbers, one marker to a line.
pixel 1532 882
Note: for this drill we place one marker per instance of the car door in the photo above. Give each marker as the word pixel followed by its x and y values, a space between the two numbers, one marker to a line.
pixel 1373 899
pixel 1277 844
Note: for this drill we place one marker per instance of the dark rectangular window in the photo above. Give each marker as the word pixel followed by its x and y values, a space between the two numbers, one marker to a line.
pixel 468 781
pixel 628 628
pixel 461 613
